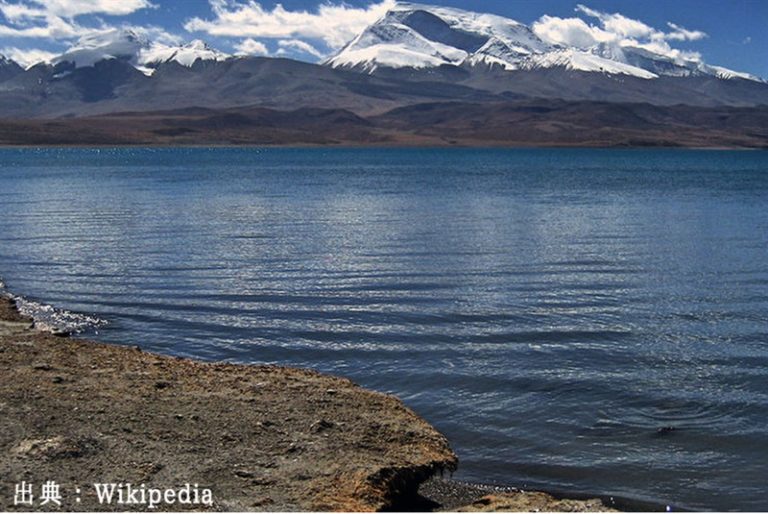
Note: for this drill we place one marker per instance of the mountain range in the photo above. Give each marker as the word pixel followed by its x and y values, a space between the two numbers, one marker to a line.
pixel 422 36
pixel 415 60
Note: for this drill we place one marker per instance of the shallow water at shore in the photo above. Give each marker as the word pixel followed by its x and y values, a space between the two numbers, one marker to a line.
pixel 571 319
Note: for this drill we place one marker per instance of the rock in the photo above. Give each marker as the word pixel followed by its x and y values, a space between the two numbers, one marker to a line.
pixel 320 426
pixel 244 473
pixel 263 502
pixel 8 328
pixel 532 502
pixel 58 447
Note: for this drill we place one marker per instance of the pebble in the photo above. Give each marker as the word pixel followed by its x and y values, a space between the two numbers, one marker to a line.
pixel 320 426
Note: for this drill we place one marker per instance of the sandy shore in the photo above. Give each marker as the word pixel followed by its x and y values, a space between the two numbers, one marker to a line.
pixel 244 438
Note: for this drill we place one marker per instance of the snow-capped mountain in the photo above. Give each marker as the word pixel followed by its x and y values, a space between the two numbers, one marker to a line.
pixel 112 44
pixel 451 56
pixel 420 36
pixel 138 50
pixel 186 55
pixel 9 68
pixel 5 61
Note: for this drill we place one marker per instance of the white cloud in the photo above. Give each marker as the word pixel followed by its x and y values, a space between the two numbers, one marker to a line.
pixel 297 45
pixel 616 29
pixel 334 24
pixel 54 20
pixel 618 23
pixel 251 47
pixel 26 9
pixel 635 30
pixel 27 57
pixel 570 31
pixel 54 29
pixel 682 34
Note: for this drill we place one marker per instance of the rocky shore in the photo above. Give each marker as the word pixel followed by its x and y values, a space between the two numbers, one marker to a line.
pixel 80 413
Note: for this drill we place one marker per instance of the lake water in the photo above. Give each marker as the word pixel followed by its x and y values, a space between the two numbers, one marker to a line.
pixel 548 310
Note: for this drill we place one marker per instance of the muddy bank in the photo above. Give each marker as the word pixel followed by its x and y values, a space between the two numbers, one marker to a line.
pixel 256 437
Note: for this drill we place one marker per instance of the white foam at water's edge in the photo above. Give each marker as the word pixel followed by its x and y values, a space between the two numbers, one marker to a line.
pixel 50 319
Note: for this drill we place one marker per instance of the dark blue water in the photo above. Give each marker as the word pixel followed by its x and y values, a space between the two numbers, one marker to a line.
pixel 548 310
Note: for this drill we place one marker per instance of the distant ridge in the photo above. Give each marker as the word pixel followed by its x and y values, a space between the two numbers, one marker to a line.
pixel 544 122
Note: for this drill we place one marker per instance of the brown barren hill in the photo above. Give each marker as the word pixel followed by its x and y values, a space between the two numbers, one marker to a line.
pixel 521 123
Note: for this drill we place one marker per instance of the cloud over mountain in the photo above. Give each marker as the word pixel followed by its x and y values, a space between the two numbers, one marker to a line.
pixel 616 29
pixel 334 24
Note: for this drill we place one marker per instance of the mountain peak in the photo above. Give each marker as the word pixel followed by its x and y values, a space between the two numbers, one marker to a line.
pixel 197 44
pixel 122 44
pixel 186 55
pixel 9 68
pixel 422 36
pixel 132 46
pixel 413 35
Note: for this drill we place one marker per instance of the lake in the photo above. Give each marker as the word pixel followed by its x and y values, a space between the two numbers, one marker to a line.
pixel 576 320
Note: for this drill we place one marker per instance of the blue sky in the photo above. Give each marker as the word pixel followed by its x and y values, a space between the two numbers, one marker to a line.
pixel 732 33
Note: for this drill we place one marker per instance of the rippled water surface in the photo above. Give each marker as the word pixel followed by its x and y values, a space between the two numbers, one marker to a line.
pixel 548 310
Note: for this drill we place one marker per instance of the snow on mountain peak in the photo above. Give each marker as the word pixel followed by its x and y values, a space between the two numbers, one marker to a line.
pixel 132 47
pixel 109 44
pixel 186 55
pixel 418 36
pixel 8 67
pixel 412 35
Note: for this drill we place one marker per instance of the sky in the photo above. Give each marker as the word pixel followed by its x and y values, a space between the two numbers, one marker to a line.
pixel 730 33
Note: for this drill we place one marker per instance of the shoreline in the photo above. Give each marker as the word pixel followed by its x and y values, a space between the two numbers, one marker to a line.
pixel 258 437
pixel 381 146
